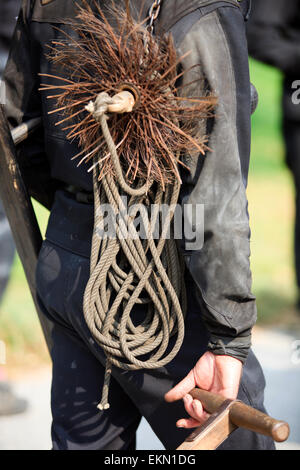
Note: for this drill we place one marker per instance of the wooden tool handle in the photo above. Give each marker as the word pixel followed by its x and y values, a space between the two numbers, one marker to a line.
pixel 244 416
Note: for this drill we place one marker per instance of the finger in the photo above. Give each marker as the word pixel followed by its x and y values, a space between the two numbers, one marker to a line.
pixel 194 408
pixel 181 389
pixel 188 423
pixel 193 422
pixel 198 412
pixel 187 401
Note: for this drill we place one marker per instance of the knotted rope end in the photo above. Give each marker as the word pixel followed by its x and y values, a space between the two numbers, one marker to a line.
pixel 90 107
pixel 103 407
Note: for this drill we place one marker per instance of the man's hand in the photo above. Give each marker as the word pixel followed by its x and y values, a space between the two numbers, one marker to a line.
pixel 217 374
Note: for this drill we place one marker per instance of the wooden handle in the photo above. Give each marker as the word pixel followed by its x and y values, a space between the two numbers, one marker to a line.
pixel 244 416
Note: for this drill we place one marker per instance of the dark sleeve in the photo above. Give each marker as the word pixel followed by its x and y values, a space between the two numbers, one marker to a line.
pixel 272 38
pixel 22 102
pixel 8 12
pixel 221 268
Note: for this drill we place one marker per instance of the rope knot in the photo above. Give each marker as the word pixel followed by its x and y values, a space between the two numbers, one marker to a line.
pixel 122 102
pixel 99 107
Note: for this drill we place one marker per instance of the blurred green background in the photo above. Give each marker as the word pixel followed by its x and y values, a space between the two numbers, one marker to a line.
pixel 271 205
pixel 271 208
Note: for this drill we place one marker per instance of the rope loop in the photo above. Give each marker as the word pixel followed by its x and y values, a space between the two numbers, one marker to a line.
pixel 128 271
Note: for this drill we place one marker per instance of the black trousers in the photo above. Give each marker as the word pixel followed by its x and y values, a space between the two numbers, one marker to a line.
pixel 78 370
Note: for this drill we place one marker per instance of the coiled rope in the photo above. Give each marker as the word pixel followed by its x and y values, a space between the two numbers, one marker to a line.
pixel 127 270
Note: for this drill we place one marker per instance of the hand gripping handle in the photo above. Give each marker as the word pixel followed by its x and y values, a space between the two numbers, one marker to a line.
pixel 244 416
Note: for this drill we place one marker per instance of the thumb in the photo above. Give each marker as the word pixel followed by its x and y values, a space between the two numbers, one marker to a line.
pixel 182 388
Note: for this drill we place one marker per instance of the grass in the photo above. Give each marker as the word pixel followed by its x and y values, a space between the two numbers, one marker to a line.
pixel 271 208
pixel 271 204
pixel 267 155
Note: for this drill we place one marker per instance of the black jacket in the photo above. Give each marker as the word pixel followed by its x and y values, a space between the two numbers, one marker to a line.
pixel 8 13
pixel 214 32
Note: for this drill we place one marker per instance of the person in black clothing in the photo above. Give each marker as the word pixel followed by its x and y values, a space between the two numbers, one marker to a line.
pixel 221 309
pixel 273 33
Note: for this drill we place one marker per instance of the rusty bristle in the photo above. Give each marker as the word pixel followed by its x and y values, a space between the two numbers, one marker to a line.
pixel 102 55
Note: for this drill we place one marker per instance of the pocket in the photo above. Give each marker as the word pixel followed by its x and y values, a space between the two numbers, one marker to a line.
pixel 48 267
pixel 57 279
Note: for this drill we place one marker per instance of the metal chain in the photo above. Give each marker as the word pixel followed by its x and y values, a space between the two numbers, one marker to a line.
pixel 153 14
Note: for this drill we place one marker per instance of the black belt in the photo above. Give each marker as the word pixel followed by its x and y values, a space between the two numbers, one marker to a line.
pixel 80 195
